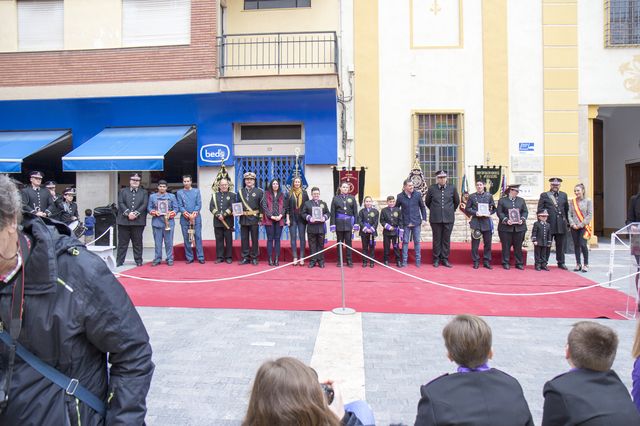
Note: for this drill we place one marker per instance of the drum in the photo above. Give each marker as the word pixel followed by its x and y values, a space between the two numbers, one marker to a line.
pixel 77 228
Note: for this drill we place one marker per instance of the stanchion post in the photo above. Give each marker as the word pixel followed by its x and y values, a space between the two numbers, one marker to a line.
pixel 343 310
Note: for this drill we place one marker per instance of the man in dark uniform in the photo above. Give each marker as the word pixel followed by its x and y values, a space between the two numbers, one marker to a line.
pixel 223 222
pixel 481 224
pixel 56 200
pixel 36 200
pixel 316 228
pixel 344 212
pixel 390 221
pixel 443 201
pixel 250 197
pixel 131 219
pixel 557 204
pixel 510 229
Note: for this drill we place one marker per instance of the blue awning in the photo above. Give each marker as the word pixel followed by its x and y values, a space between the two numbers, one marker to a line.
pixel 125 148
pixel 16 146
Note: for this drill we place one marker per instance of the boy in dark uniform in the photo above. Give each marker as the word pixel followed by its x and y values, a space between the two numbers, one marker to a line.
pixel 476 394
pixel 250 197
pixel 344 211
pixel 541 239
pixel 368 221
pixel 316 227
pixel 390 221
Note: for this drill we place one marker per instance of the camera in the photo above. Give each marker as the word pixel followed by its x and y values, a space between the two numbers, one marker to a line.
pixel 328 392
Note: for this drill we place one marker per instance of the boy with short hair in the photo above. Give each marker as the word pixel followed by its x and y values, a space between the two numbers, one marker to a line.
pixel 591 393
pixel 541 239
pixel 89 225
pixel 476 394
pixel 390 221
pixel 368 218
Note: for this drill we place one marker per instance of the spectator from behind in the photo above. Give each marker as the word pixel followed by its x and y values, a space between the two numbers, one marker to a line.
pixel 591 393
pixel 90 225
pixel 476 394
pixel 286 392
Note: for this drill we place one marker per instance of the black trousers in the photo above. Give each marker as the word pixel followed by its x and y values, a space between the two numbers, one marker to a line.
pixel 475 246
pixel 345 237
pixel 441 240
pixel 512 239
pixel 368 247
pixel 247 231
pixel 541 255
pixel 580 245
pixel 316 243
pixel 128 233
pixel 560 240
pixel 224 242
pixel 387 242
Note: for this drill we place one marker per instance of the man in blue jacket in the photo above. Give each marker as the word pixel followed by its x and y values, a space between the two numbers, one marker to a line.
pixel 412 213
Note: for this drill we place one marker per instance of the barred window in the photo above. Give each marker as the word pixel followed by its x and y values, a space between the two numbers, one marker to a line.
pixel 275 4
pixel 622 26
pixel 438 138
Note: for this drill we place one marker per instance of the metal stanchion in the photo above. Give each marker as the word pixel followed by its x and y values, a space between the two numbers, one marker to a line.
pixel 343 310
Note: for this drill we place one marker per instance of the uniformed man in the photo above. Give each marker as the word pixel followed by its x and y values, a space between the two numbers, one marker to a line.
pixel 541 239
pixel 390 221
pixel 67 207
pixel 344 212
pixel 131 219
pixel 223 223
pixel 512 226
pixel 316 227
pixel 56 201
pixel 250 197
pixel 480 207
pixel 36 200
pixel 557 204
pixel 443 201
pixel 161 220
pixel 190 204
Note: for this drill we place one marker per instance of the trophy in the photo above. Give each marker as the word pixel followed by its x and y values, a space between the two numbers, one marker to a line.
pixel 163 210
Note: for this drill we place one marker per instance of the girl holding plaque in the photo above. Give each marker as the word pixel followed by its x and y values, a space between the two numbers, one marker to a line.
pixel 274 208
pixel 580 214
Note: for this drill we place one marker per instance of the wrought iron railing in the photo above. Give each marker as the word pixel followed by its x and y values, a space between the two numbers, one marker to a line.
pixel 278 53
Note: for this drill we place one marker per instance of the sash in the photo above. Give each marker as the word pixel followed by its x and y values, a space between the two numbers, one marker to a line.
pixel 553 200
pixel 588 231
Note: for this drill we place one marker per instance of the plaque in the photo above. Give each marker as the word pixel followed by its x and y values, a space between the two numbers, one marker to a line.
pixel 316 213
pixel 514 216
pixel 163 207
pixel 237 209
pixel 483 209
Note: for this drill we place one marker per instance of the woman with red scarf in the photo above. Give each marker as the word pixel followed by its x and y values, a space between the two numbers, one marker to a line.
pixel 274 208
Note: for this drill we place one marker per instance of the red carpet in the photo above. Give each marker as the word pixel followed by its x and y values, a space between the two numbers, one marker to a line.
pixel 374 290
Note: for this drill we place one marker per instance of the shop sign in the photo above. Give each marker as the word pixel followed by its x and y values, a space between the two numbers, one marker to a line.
pixel 214 153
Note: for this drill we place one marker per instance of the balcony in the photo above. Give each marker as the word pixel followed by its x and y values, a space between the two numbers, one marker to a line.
pixel 277 54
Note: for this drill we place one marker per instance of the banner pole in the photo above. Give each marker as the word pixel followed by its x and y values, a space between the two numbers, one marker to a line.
pixel 342 310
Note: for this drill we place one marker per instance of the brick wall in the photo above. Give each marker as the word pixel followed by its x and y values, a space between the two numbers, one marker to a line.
pixel 195 61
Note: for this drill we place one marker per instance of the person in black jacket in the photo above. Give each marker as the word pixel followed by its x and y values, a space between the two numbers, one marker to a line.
pixel 511 229
pixel 344 212
pixel 316 226
pixel 557 204
pixel 74 313
pixel 131 219
pixel 223 223
pixel 412 213
pixel 67 207
pixel 541 239
pixel 481 224
pixel 390 221
pixel 250 197
pixel 35 198
pixel 591 393
pixel 443 201
pixel 476 394
pixel 368 218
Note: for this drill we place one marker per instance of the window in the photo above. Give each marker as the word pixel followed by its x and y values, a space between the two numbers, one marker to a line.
pixel 271 132
pixel 438 138
pixel 156 22
pixel 275 4
pixel 40 25
pixel 622 27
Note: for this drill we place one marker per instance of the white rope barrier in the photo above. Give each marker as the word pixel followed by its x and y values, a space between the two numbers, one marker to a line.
pixel 401 272
pixel 96 239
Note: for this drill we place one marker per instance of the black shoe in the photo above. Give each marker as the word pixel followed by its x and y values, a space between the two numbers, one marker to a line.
pixel 476 265
pixel 436 263
pixel 155 263
pixel 138 263
pixel 577 268
pixel 276 262
pixel 520 267
pixel 189 261
pixel 386 262
pixel 219 260
pixel 312 264
pixel 119 264
pixel 349 264
pixel 446 263
pixel 399 263
pixel 244 261
pixel 545 268
pixel 487 265
pixel 169 262
pixel 538 268
pixel 338 264
pixel 506 266
pixel 229 261
pixel 270 262
pixel 254 262
pixel 562 266
pixel 370 264
pixel 321 264
pixel 201 261
pixel 364 264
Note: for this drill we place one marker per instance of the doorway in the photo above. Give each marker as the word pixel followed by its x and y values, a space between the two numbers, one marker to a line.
pixel 598 178
pixel 633 180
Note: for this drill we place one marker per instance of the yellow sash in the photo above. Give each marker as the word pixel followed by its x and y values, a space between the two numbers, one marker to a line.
pixel 588 231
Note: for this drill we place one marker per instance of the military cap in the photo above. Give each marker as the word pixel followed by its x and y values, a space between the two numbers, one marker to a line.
pixel 70 190
pixel 50 184
pixel 249 175
pixel 36 174
pixel 555 181
pixel 543 212
pixel 441 173
pixel 514 186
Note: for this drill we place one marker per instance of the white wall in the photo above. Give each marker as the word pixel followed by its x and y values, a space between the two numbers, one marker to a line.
pixel 426 79
pixel 601 80
pixel 621 146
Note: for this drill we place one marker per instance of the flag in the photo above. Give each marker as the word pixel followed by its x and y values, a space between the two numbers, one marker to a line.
pixel 464 190
pixel 503 185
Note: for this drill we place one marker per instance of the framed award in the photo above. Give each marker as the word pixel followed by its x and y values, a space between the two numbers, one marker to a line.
pixel 483 209
pixel 514 215
pixel 163 207
pixel 236 208
pixel 316 213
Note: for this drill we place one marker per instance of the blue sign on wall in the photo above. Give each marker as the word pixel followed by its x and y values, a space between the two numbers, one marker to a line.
pixel 213 114
pixel 526 146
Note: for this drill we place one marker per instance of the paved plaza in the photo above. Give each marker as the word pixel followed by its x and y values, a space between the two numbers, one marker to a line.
pixel 206 358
